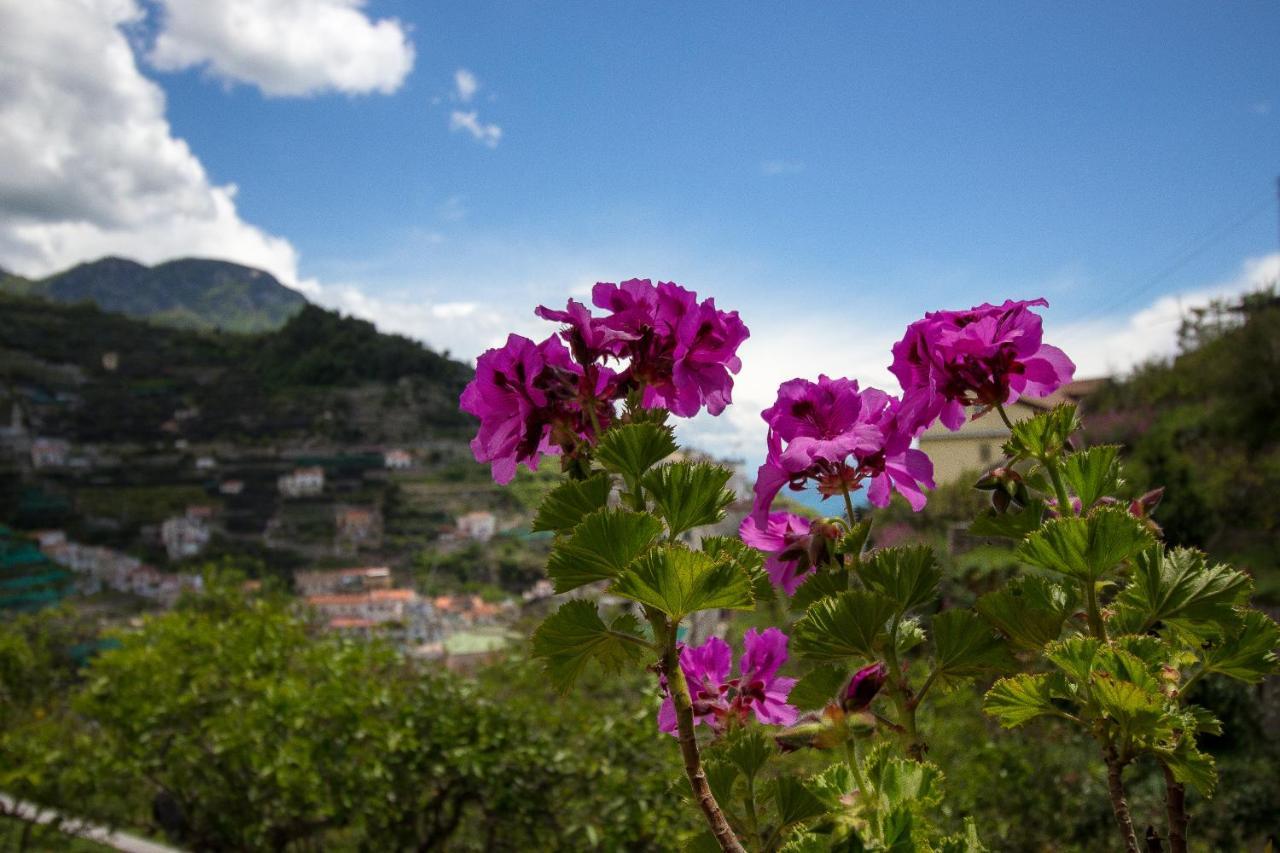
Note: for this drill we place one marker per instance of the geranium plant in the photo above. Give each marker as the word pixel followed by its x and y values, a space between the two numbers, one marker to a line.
pixel 1106 628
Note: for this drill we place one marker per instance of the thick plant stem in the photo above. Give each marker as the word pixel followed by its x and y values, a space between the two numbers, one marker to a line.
pixel 1119 803
pixel 679 688
pixel 903 702
pixel 1175 802
pixel 1096 626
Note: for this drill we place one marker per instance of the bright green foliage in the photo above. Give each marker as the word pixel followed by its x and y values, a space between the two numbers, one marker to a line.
pixel 601 547
pixel 818 686
pixel 1090 474
pixel 678 581
pixel 566 505
pixel 1249 653
pixel 1086 548
pixel 751 561
pixel 576 634
pixel 908 576
pixel 796 804
pixel 748 748
pixel 1019 698
pixel 827 582
pixel 965 646
pixel 1029 610
pixel 849 625
pixel 1009 525
pixel 1045 436
pixel 689 495
pixel 1177 586
pixel 1191 767
pixel 632 449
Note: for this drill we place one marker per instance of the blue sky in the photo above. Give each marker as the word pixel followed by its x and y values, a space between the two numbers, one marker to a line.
pixel 829 170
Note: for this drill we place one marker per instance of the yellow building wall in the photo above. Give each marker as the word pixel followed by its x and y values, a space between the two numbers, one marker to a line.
pixel 972 449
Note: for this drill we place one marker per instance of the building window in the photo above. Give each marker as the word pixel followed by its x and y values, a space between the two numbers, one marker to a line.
pixel 984 453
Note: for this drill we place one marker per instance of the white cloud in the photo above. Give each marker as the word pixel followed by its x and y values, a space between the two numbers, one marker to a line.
pixel 465 84
pixel 284 47
pixel 452 209
pixel 1260 108
pixel 88 162
pixel 486 134
pixel 772 168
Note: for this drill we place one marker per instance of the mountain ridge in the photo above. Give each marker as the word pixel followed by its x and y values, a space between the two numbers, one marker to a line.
pixel 192 293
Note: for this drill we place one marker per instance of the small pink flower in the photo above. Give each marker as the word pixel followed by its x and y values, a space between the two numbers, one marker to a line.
pixel 757 690
pixel 989 355
pixel 785 541
pixel 864 686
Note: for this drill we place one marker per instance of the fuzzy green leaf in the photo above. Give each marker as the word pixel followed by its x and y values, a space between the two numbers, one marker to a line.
pixel 1179 586
pixel 601 547
pixel 678 582
pixel 818 687
pixel 1043 436
pixel 1086 548
pixel 566 505
pixel 819 585
pixel 965 646
pixel 1075 656
pixel 1191 767
pixel 1131 705
pixel 1013 701
pixel 632 449
pixel 748 748
pixel 575 634
pixel 689 495
pixel 1093 473
pixel 1030 610
pixel 848 625
pixel 1249 653
pixel 1009 525
pixel 796 803
pixel 748 558
pixel 907 575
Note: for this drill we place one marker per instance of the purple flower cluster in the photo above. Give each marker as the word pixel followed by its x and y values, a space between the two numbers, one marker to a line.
pixel 535 399
pixel 987 356
pixel 835 434
pixel 718 698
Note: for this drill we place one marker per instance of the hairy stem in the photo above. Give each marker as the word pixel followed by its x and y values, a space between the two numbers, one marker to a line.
pixel 1096 626
pixel 900 692
pixel 1004 416
pixel 1119 803
pixel 679 689
pixel 1175 803
pixel 855 765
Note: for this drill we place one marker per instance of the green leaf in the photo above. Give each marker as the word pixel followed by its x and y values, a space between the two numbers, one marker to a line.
pixel 748 748
pixel 855 540
pixel 1248 654
pixel 1013 701
pixel 901 782
pixel 575 634
pixel 965 646
pixel 1137 709
pixel 601 547
pixel 1086 548
pixel 1191 767
pixel 721 776
pixel 1075 656
pixel 1030 610
pixel 821 584
pixel 566 504
pixel 848 625
pixel 1092 473
pixel 689 495
pixel 749 559
pixel 1045 435
pixel 908 575
pixel 1009 525
pixel 966 841
pixel 1179 586
pixel 678 581
pixel 796 803
pixel 632 449
pixel 910 634
pixel 818 687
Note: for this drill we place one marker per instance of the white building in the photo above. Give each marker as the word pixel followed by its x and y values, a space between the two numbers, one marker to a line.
pixel 184 536
pixel 49 452
pixel 325 582
pixel 397 458
pixel 302 482
pixel 401 612
pixel 478 526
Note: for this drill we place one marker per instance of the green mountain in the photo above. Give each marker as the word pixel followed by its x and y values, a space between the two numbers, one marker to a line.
pixel 194 293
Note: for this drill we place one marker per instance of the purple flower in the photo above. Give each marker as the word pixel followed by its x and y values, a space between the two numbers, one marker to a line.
pixel 832 433
pixel 681 351
pixel 989 355
pixel 588 337
pixel 528 399
pixel 788 542
pixel 717 698
pixel 864 686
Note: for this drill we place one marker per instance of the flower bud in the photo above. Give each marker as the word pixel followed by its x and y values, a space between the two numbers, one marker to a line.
pixel 864 686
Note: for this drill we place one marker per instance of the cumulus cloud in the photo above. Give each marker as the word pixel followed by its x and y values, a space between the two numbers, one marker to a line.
pixel 485 134
pixel 465 84
pixel 89 165
pixel 284 47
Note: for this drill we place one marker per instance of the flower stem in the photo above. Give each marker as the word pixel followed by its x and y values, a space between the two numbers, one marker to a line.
pixel 900 693
pixel 683 703
pixel 1096 626
pixel 1004 416
pixel 1119 803
pixel 855 765
pixel 1175 802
